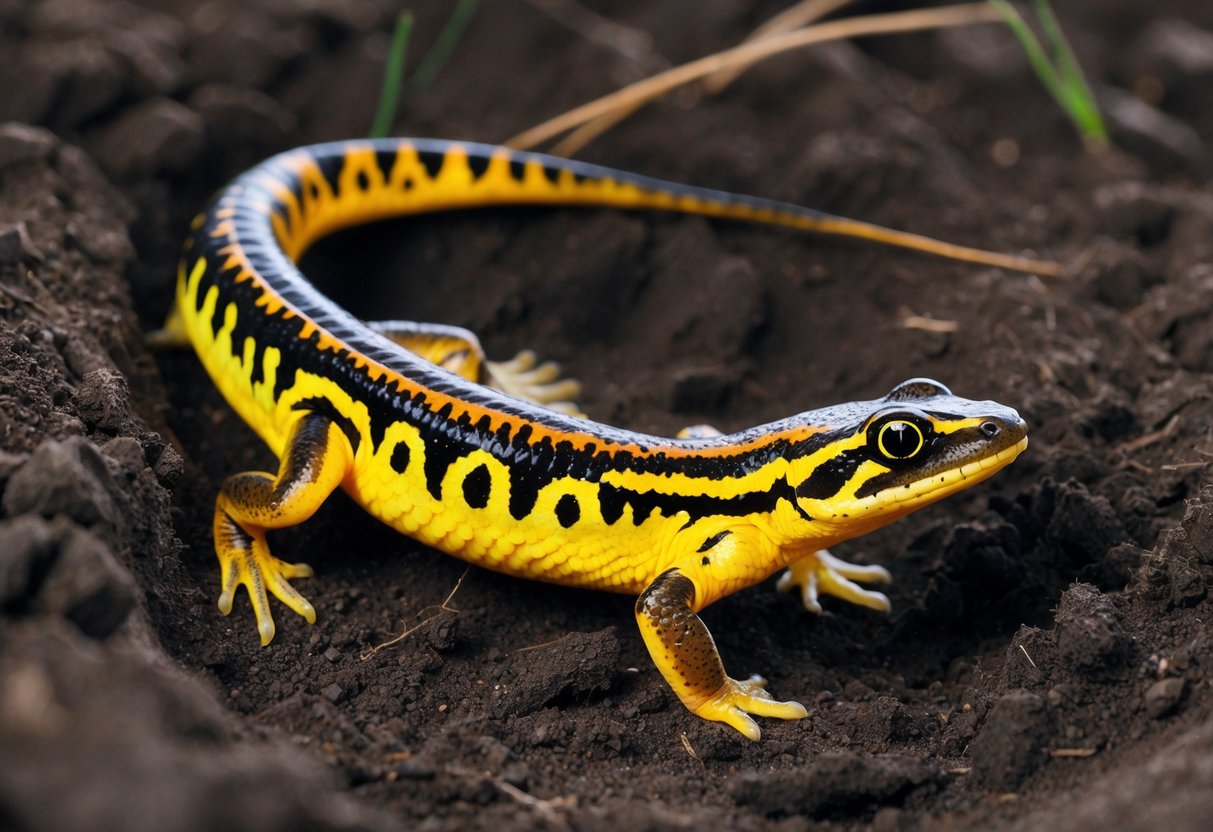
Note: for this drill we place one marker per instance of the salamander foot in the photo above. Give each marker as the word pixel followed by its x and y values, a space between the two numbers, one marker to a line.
pixel 822 573
pixel 736 699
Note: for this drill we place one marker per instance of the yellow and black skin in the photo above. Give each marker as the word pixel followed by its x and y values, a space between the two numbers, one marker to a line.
pixel 515 486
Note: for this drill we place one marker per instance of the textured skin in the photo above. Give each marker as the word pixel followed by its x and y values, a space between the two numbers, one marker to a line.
pixel 516 487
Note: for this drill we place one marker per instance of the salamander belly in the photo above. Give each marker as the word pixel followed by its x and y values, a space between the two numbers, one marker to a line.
pixel 473 511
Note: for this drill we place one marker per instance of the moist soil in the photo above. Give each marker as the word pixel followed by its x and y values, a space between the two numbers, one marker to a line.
pixel 1047 663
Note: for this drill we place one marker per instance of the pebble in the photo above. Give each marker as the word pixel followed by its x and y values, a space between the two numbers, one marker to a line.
pixel 332 693
pixel 103 400
pixel 155 137
pixel 1117 273
pixel 1148 131
pixel 29 548
pixel 16 245
pixel 66 477
pixel 414 769
pixel 834 783
pixel 87 585
pixel 59 568
pixel 243 122
pixel 1162 697
pixel 1175 49
pixel 22 143
pixel 1011 743
pixel 1089 636
pixel 91 80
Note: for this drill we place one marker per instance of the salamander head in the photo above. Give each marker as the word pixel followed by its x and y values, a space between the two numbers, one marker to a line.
pixel 888 457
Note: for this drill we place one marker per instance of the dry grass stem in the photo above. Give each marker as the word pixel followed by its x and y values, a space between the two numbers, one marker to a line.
pixel 929 324
pixel 752 52
pixel 790 19
pixel 444 607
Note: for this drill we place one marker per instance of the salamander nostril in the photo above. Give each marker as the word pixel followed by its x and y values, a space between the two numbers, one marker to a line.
pixel 990 429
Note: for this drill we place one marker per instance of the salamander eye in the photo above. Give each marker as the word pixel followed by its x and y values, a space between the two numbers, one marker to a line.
pixel 899 439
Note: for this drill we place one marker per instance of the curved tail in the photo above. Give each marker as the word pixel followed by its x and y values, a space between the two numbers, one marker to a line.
pixel 321 188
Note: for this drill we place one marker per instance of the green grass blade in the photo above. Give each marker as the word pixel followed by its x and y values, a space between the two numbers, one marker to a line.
pixel 1082 99
pixel 1060 74
pixel 393 78
pixel 1037 56
pixel 443 47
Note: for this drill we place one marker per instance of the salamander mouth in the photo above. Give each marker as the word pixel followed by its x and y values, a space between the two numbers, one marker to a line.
pixel 941 484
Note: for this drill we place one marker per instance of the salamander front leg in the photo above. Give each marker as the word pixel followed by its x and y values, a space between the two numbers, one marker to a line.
pixel 315 461
pixel 822 573
pixel 684 652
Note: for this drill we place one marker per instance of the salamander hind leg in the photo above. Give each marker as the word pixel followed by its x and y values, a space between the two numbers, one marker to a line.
pixel 452 348
pixel 315 461
pixel 458 350
pixel 822 573
pixel 684 652
pixel 526 377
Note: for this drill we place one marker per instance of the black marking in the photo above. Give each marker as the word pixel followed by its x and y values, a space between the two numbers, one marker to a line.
pixel 612 500
pixel 517 168
pixel 568 510
pixel 476 487
pixel 478 163
pixel 400 458
pixel 831 475
pixel 363 181
pixel 706 561
pixel 611 503
pixel 320 406
pixel 330 167
pixel 432 160
pixel 386 161
pixel 712 541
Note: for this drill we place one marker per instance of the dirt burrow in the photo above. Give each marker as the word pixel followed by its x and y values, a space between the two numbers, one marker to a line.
pixel 1046 661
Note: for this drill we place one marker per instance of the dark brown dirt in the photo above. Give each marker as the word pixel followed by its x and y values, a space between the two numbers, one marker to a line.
pixel 1047 663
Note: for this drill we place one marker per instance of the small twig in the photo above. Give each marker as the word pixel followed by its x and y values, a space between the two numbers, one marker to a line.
pixel 21 297
pixel 538 646
pixel 1150 438
pixel 1184 466
pixel 1026 656
pixel 1139 467
pixel 545 808
pixel 1073 752
pixel 929 324
pixel 686 743
pixel 442 608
